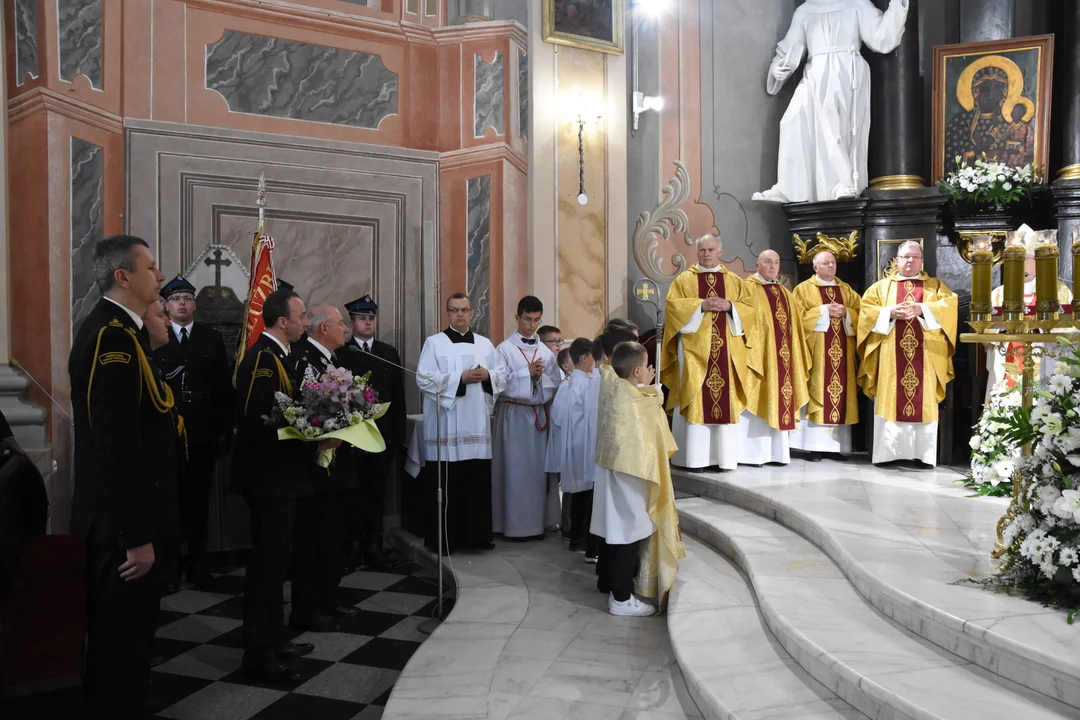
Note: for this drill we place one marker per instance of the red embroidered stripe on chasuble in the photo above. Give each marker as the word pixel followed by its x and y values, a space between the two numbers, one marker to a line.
pixel 835 383
pixel 716 389
pixel 781 317
pixel 909 356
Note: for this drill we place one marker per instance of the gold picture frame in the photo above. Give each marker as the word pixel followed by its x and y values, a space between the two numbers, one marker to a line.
pixel 887 266
pixel 1014 79
pixel 585 24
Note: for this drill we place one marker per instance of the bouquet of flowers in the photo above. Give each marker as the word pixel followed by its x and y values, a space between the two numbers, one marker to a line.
pixel 991 183
pixel 337 405
pixel 1041 533
pixel 993 456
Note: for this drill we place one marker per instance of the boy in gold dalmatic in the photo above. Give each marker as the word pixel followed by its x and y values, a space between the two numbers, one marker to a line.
pixel 906 338
pixel 634 502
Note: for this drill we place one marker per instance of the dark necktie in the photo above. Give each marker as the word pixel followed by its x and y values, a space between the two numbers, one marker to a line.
pixel 183 335
pixel 529 341
pixel 366 348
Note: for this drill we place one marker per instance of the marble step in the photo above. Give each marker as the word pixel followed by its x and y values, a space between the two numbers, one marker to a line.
pixel 895 559
pixel 876 666
pixel 735 668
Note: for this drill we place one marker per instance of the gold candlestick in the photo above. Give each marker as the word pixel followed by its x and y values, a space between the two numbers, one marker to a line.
pixel 1047 306
pixel 982 266
pixel 1013 261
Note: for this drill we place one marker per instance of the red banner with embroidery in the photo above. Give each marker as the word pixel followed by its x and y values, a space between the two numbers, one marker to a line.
pixel 835 368
pixel 909 356
pixel 262 282
pixel 781 316
pixel 716 389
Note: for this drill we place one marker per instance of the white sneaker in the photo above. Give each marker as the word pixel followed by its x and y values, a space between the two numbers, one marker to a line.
pixel 631 608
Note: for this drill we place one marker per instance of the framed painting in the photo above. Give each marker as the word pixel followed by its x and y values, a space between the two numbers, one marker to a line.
pixel 587 24
pixel 992 98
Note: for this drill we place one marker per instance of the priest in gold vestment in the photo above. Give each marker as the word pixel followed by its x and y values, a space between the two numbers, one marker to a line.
pixel 703 360
pixel 906 339
pixel 829 311
pixel 777 346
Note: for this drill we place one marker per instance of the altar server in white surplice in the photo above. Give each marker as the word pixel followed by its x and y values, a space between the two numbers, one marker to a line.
pixel 524 500
pixel 572 445
pixel 461 372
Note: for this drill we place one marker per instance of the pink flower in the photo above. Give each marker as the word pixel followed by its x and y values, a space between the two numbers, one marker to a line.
pixel 369 395
pixel 315 422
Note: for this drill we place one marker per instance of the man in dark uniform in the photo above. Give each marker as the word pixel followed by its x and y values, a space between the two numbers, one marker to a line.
pixel 197 370
pixel 320 522
pixel 274 476
pixel 363 354
pixel 115 400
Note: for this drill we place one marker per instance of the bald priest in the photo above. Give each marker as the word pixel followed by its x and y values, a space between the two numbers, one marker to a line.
pixel 906 339
pixel 703 360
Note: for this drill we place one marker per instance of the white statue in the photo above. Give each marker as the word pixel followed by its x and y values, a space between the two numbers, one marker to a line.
pixel 825 131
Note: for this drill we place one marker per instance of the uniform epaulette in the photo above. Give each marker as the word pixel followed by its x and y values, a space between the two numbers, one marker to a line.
pixel 162 403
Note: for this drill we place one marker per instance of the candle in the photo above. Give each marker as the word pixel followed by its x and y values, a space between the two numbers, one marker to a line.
pixel 1047 306
pixel 982 265
pixel 1014 256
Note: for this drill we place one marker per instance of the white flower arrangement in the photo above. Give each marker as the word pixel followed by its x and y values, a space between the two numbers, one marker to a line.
pixel 993 458
pixel 1042 532
pixel 991 183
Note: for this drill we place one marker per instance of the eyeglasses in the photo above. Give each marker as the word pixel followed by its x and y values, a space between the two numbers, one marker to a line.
pixel 909 257
pixel 182 298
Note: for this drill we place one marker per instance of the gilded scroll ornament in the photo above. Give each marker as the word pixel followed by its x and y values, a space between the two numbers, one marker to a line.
pixel 844 248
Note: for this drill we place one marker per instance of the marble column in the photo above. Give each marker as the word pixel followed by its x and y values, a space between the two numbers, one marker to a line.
pixel 1070 93
pixel 895 131
pixel 26 419
pixel 986 20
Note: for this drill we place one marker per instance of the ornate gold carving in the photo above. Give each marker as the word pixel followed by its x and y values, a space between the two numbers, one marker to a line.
pixel 966 242
pixel 665 218
pixel 843 248
pixel 1069 172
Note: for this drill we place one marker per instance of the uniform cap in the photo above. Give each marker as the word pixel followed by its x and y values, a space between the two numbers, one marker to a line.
pixel 179 284
pixel 363 306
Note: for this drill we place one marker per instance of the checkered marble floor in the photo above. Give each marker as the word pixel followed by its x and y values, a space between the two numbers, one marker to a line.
pixel 348 677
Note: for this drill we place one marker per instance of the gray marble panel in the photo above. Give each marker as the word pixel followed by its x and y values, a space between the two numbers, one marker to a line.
pixel 26 40
pixel 488 97
pixel 284 78
pixel 81 34
pixel 87 204
pixel 523 94
pixel 477 252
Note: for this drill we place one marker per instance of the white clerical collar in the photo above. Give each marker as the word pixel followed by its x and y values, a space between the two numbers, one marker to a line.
pixel 280 344
pixel 705 269
pixel 767 282
pixel 319 347
pixel 905 277
pixel 176 328
pixel 825 283
pixel 129 311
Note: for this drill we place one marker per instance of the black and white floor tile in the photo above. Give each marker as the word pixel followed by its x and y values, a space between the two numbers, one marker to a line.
pixel 348 677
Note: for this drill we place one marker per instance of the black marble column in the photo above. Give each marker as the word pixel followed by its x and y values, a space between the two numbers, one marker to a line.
pixel 986 20
pixel 895 153
pixel 1070 92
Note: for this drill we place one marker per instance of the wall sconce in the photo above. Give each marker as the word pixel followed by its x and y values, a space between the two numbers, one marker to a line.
pixel 643 102
pixel 586 113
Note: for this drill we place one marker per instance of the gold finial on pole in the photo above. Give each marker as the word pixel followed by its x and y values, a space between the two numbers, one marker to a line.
pixel 261 202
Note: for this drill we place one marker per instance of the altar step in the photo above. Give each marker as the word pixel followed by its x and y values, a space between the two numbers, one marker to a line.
pixel 829 631
pixel 899 542
pixel 735 669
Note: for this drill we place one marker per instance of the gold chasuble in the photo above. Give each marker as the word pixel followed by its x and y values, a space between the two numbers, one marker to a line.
pixel 833 398
pixel 634 439
pixel 905 371
pixel 775 343
pixel 711 389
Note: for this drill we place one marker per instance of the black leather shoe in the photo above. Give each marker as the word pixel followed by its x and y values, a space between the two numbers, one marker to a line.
pixel 345 611
pixel 295 650
pixel 272 674
pixel 813 457
pixel 320 624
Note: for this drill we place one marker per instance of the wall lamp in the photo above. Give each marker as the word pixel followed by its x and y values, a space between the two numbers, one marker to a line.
pixel 586 112
pixel 643 102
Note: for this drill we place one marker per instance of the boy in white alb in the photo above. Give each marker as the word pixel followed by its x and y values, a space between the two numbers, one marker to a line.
pixel 524 500
pixel 572 446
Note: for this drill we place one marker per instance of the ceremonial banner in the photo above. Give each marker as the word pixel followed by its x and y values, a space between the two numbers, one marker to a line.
pixel 263 282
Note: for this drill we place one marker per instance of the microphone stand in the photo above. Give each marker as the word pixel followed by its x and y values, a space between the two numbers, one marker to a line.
pixel 428 626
